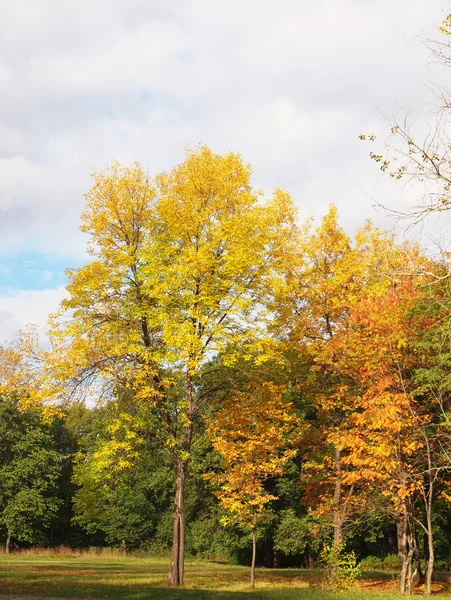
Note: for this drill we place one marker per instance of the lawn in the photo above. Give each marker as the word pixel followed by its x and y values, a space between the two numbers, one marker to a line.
pixel 145 578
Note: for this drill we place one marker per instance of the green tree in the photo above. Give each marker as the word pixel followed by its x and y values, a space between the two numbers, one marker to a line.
pixel 30 468
pixel 123 479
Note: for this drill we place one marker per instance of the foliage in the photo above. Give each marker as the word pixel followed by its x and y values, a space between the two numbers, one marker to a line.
pixel 123 481
pixel 299 535
pixel 30 469
pixel 342 568
pixel 390 562
pixel 252 434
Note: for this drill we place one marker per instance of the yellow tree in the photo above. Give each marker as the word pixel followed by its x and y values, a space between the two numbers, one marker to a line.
pixel 253 433
pixel 182 268
pixel 23 373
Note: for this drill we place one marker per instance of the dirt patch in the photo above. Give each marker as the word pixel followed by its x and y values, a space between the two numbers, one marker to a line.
pixel 388 586
pixel 64 572
pixel 2 597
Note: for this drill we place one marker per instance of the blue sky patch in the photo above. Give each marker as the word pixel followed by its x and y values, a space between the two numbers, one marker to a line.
pixel 32 272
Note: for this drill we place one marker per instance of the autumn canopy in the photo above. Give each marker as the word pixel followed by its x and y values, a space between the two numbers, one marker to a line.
pixel 243 371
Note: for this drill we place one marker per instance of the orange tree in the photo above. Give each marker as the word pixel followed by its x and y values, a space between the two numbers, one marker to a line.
pixel 253 433
pixel 332 273
pixel 390 439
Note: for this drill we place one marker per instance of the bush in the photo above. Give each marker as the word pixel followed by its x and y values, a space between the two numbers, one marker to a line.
pixel 342 568
pixel 297 535
pixel 380 563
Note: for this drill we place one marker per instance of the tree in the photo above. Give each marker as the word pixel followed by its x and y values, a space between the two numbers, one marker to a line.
pixel 30 468
pixel 252 433
pixel 336 279
pixel 327 277
pixel 22 372
pixel 123 477
pixel 417 157
pixel 183 266
pixel 393 440
pixel 333 272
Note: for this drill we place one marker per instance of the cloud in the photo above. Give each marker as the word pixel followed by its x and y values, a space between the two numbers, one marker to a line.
pixel 27 307
pixel 290 85
pixel 284 84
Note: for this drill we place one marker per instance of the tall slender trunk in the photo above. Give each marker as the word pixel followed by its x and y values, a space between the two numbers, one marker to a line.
pixel 401 529
pixel 176 570
pixel 430 562
pixel 338 512
pixel 411 554
pixel 8 544
pixel 428 498
pixel 180 462
pixel 254 549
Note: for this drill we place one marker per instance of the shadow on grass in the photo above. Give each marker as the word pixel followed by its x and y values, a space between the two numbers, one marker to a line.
pixel 145 580
pixel 140 592
pixel 142 580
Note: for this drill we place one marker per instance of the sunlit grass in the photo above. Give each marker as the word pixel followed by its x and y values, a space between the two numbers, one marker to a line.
pixel 87 575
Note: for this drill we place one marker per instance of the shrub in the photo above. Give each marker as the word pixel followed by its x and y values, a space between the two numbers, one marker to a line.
pixel 380 563
pixel 342 568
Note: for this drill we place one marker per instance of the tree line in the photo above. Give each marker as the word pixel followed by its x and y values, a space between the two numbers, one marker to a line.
pixel 224 377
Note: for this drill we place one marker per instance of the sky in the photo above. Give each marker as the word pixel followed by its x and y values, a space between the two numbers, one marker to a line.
pixel 290 85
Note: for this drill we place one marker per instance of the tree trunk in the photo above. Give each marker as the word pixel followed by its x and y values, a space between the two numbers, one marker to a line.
pixel 8 544
pixel 428 503
pixel 406 551
pixel 254 549
pixel 176 570
pixel 338 516
pixel 401 529
pixel 430 562
pixel 410 557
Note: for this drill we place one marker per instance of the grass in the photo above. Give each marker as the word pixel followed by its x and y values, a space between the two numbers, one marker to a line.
pixel 128 578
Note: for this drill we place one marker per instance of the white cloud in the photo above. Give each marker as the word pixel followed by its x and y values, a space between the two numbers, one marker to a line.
pixel 28 307
pixel 290 85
